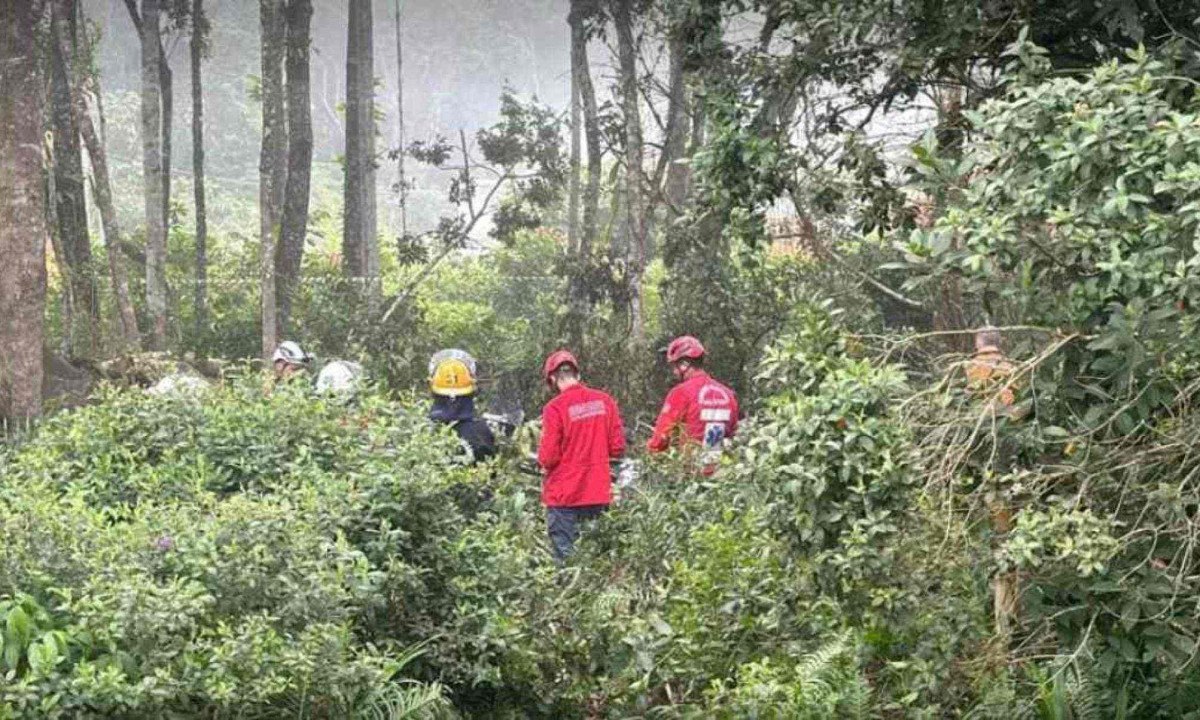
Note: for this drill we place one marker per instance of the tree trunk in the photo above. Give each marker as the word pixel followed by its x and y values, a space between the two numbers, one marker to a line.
pixel 585 201
pixel 168 116
pixel 634 185
pixel 68 198
pixel 199 28
pixel 272 162
pixel 152 172
pixel 1006 588
pixel 102 191
pixel 950 312
pixel 50 209
pixel 576 145
pixel 299 158
pixel 23 230
pixel 360 247
pixel 402 181
pixel 675 174
pixel 582 76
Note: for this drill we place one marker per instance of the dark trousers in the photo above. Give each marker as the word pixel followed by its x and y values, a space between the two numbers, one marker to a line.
pixel 564 524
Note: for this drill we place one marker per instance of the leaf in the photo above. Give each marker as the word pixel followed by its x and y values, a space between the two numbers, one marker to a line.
pixel 1108 341
pixel 18 626
pixel 12 651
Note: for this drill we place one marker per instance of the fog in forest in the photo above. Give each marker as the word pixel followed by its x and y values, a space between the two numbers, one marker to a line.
pixel 459 55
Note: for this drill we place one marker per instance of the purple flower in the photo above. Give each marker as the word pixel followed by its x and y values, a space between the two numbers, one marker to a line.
pixel 165 543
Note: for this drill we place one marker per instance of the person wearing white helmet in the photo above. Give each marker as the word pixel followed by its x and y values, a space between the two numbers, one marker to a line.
pixel 290 360
pixel 340 377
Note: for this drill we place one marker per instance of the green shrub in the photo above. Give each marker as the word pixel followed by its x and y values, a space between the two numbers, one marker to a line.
pixel 213 557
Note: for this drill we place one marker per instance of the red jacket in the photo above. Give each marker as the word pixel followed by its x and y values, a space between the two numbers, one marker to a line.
pixel 581 431
pixel 695 407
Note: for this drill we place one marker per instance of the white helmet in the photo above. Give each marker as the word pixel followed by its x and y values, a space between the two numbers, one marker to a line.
pixel 291 353
pixel 340 377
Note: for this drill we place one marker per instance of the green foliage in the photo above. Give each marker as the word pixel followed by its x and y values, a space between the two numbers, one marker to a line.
pixel 1080 213
pixel 175 557
pixel 825 683
pixel 742 169
pixel 1074 207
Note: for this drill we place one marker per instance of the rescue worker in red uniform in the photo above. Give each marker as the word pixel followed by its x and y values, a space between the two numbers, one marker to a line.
pixel 699 411
pixel 581 433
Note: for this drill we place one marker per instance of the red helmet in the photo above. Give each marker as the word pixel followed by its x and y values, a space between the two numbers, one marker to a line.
pixel 685 347
pixel 557 359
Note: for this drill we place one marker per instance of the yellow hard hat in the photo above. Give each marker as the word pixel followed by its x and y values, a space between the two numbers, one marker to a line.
pixel 452 377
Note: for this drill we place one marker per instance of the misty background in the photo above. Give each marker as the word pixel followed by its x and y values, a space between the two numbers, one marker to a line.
pixel 459 55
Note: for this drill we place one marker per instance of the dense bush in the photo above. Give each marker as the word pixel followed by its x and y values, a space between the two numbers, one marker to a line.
pixel 1074 209
pixel 270 553
pixel 178 557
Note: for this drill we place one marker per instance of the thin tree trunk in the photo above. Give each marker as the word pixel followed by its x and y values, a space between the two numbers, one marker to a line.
pixel 199 28
pixel 23 230
pixel 272 163
pixel 949 313
pixel 166 97
pixel 401 181
pixel 634 185
pixel 68 197
pixel 166 83
pixel 698 126
pixel 576 149
pixel 585 123
pixel 591 124
pixel 360 246
pixel 1006 588
pixel 55 231
pixel 299 158
pixel 152 171
pixel 102 191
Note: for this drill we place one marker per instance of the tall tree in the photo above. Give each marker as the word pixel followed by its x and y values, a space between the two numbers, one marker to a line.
pixel 167 97
pixel 401 180
pixel 360 247
pixel 198 49
pixel 581 74
pixel 635 196
pixel 102 191
pixel 585 199
pixel 299 157
pixel 69 202
pixel 23 229
pixel 178 12
pixel 272 161
pixel 672 174
pixel 576 130
pixel 152 171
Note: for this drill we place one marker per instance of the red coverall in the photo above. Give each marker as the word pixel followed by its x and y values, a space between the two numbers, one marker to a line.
pixel 698 406
pixel 581 432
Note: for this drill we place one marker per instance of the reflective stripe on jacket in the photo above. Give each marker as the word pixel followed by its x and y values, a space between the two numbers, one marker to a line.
pixel 581 432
